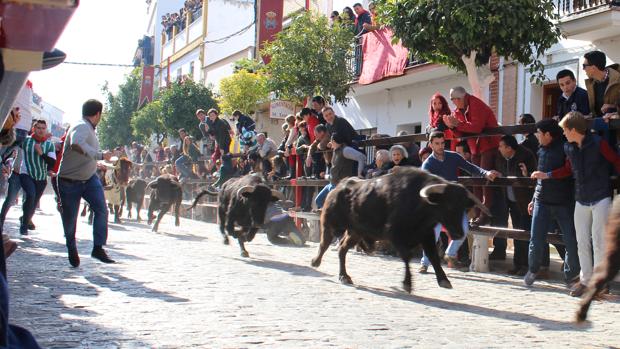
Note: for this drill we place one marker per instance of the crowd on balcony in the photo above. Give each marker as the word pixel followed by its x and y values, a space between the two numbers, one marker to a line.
pixel 358 19
pixel 192 10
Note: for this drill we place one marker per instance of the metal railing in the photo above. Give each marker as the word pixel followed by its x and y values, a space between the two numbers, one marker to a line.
pixel 566 8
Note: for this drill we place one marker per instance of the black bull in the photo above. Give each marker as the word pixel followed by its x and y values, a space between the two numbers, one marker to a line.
pixel 243 202
pixel 403 208
pixel 166 192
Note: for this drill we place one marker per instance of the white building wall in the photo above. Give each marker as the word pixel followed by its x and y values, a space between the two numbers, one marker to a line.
pixel 183 63
pixel 224 68
pixel 223 19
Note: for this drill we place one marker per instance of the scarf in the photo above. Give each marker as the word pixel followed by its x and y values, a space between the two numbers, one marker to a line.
pixel 39 139
pixel 358 16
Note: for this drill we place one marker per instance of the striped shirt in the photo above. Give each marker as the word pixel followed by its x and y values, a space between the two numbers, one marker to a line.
pixel 34 164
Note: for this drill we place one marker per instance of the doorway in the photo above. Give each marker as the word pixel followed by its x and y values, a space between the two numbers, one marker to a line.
pixel 551 94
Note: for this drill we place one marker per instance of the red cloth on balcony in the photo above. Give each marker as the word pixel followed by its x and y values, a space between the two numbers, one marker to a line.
pixel 380 58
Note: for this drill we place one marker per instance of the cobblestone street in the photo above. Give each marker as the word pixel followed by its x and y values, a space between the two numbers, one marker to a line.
pixel 183 288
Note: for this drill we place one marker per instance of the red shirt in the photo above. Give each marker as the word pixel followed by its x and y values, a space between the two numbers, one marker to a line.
pixel 477 117
pixel 312 122
pixel 59 153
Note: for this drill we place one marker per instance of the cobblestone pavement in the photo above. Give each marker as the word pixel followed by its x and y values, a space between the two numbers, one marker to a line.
pixel 183 288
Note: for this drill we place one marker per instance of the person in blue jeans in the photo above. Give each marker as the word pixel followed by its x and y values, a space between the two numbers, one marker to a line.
pixel 553 201
pixel 39 157
pixel 77 179
pixel 181 162
pixel 445 163
pixel 14 185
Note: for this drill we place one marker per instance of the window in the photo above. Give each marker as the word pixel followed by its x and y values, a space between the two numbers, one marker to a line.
pixel 191 69
pixel 412 128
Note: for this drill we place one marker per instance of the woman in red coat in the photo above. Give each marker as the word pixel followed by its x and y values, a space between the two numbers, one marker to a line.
pixel 437 109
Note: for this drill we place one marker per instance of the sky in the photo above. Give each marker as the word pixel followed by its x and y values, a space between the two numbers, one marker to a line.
pixel 100 31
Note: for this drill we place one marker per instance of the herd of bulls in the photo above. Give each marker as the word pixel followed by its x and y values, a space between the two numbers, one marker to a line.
pixel 166 192
pixel 402 208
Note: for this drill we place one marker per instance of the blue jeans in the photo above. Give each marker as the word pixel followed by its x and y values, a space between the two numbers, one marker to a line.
pixel 181 165
pixel 454 245
pixel 542 219
pixel 33 189
pixel 320 198
pixel 70 195
pixel 11 194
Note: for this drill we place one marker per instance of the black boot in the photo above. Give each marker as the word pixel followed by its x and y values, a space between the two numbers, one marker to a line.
pixel 100 254
pixel 74 258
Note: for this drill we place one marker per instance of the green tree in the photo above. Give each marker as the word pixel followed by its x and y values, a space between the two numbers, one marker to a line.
pixel 243 90
pixel 465 34
pixel 251 65
pixel 115 126
pixel 179 103
pixel 309 58
pixel 148 121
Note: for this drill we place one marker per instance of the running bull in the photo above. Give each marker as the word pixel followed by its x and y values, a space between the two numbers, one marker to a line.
pixel 166 192
pixel 242 201
pixel 402 208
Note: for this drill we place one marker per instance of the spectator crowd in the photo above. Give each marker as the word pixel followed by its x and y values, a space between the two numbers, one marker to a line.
pixel 571 164
pixel 191 9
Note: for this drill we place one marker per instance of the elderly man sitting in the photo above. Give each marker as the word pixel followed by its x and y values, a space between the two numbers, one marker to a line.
pixel 380 166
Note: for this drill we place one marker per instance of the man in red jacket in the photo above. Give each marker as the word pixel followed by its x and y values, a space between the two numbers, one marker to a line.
pixel 472 116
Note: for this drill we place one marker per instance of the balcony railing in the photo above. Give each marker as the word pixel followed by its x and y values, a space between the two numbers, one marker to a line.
pixel 357 60
pixel 566 8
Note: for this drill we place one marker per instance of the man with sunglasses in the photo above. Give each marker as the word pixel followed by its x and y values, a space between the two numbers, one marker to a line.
pixel 603 84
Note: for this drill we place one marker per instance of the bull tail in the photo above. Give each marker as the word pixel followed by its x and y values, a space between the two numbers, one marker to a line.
pixel 199 196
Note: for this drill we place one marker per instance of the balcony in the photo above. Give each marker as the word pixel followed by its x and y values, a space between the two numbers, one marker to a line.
pixel 589 20
pixel 177 40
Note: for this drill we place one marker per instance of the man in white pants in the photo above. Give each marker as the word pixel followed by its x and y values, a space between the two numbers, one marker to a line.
pixel 588 159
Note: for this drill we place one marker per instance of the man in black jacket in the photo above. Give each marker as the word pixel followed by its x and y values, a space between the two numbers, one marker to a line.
pixel 221 131
pixel 363 17
pixel 517 161
pixel 573 98
pixel 243 122
pixel 553 201
pixel 340 126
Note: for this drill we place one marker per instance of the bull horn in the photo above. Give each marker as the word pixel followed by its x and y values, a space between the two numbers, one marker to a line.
pixel 432 189
pixel 151 184
pixel 278 194
pixel 478 203
pixel 245 189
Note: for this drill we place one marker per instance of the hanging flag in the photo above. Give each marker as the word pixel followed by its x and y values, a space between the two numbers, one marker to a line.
pixel 270 22
pixel 146 90
pixel 381 58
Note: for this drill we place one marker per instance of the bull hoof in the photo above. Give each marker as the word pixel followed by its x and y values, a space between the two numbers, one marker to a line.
pixel 580 316
pixel 407 287
pixel 245 254
pixel 346 280
pixel 176 224
pixel 445 284
pixel 315 262
pixel 226 241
